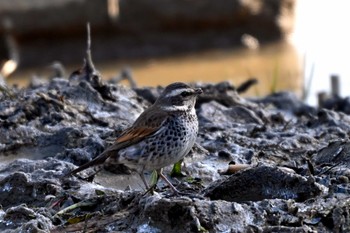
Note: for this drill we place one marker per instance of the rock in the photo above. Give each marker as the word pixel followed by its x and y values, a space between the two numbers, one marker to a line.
pixel 272 183
pixel 23 219
pixel 336 152
pixel 49 115
pixel 337 103
pixel 223 93
pixel 287 101
pixel 30 180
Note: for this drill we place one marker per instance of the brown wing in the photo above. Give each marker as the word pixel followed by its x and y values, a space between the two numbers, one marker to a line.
pixel 148 123
pixel 134 134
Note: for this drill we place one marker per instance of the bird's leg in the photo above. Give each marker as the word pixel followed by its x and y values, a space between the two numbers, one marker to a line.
pixel 176 192
pixel 154 181
pixel 160 174
pixel 144 180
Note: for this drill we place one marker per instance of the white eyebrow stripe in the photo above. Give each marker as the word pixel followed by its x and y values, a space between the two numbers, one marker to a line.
pixel 177 92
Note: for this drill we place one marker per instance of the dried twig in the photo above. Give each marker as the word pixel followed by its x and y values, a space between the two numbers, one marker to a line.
pixel 89 66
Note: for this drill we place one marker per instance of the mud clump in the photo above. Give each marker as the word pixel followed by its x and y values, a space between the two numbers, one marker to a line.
pixel 272 183
pixel 295 176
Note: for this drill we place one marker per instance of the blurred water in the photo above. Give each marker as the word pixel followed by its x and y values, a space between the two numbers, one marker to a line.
pixel 270 62
pixel 276 66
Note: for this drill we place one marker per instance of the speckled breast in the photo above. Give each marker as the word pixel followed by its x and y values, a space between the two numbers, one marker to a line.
pixel 170 144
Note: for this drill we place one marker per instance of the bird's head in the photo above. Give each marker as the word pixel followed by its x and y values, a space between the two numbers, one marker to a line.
pixel 178 97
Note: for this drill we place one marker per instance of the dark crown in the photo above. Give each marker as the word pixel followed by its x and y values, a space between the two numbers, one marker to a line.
pixel 174 86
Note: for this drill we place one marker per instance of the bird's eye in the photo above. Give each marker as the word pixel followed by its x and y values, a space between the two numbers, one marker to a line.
pixel 185 93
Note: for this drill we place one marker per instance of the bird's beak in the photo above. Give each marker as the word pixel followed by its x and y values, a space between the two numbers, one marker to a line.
pixel 198 91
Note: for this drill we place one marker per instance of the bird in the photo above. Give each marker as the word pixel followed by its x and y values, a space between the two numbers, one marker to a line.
pixel 161 136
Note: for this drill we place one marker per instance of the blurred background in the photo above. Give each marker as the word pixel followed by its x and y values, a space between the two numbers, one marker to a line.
pixel 291 45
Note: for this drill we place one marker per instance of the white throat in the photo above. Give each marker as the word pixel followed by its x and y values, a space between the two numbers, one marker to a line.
pixel 175 108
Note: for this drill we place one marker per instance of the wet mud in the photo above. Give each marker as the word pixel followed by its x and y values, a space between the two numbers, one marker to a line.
pixel 291 165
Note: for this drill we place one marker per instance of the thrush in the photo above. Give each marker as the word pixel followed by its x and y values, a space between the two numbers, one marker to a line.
pixel 161 136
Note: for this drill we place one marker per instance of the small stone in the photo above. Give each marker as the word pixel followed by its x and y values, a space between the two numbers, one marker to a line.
pixel 343 179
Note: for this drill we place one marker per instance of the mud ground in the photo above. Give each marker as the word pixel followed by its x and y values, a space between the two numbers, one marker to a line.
pixel 269 164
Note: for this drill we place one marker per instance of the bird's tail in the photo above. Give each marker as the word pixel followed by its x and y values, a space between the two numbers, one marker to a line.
pixel 96 161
